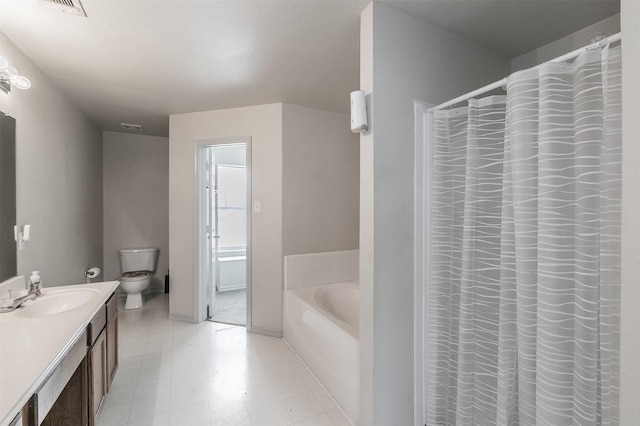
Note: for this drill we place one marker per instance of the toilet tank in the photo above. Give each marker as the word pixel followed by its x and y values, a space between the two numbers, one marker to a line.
pixel 138 259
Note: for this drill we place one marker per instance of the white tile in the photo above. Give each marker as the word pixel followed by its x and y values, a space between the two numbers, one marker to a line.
pixel 295 280
pixel 302 407
pixel 120 395
pixel 311 382
pixel 291 387
pixel 230 419
pixel 126 352
pixel 159 420
pixel 222 401
pixel 298 367
pixel 228 411
pixel 281 371
pixel 150 370
pixel 131 363
pixel 337 418
pixel 159 350
pixel 321 263
pixel 186 378
pixel 318 420
pixel 316 277
pixel 354 274
pixel 340 275
pixel 292 265
pixel 192 415
pixel 150 407
pixel 116 415
pixel 260 396
pixel 126 376
pixel 153 387
pixel 272 415
pixel 308 264
pixel 185 396
pixel 325 402
pixel 211 374
pixel 257 377
pixel 230 379
pixel 340 260
pixel 275 356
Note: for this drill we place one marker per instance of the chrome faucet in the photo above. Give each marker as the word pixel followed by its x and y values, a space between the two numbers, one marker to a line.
pixel 11 304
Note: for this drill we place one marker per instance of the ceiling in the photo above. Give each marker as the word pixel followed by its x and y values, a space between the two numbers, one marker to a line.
pixel 137 61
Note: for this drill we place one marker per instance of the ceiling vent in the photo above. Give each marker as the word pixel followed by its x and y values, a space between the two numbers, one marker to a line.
pixel 127 126
pixel 68 6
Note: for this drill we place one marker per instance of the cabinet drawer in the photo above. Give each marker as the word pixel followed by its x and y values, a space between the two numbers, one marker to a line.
pixel 96 325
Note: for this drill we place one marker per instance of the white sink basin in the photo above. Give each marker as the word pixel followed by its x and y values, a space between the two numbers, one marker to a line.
pixel 55 301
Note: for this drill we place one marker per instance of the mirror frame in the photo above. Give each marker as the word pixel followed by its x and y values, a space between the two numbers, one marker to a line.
pixel 8 190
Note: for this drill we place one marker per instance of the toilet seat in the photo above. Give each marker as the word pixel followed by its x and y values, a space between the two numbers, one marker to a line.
pixel 136 276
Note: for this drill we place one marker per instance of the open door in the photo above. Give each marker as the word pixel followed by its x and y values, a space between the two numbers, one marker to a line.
pixel 224 229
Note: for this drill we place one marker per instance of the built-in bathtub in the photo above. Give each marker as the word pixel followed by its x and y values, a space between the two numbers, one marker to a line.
pixel 232 267
pixel 321 324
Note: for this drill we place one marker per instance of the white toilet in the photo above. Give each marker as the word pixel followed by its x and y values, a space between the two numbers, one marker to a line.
pixel 137 265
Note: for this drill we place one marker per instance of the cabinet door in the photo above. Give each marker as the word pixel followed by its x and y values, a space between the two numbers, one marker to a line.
pixel 70 409
pixel 112 348
pixel 97 376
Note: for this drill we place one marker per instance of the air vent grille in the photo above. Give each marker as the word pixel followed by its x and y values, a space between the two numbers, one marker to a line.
pixel 128 126
pixel 68 6
pixel 67 3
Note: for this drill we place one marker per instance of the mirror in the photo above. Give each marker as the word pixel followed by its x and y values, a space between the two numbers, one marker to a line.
pixel 8 255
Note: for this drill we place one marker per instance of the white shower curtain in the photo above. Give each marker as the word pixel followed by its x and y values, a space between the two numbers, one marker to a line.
pixel 524 269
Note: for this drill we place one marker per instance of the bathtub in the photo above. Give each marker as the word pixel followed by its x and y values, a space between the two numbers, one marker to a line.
pixel 321 324
pixel 232 267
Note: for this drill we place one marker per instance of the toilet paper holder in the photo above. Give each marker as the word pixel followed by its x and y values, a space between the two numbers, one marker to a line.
pixel 91 273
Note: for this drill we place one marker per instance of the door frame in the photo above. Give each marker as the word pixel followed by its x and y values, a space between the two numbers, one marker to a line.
pixel 200 295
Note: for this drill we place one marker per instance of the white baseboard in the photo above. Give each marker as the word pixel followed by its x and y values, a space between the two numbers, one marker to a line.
pixel 269 333
pixel 181 318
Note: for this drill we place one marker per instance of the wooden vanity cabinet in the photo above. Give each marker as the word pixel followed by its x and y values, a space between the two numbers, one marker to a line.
pixel 102 356
pixel 79 403
pixel 97 363
pixel 112 339
pixel 70 407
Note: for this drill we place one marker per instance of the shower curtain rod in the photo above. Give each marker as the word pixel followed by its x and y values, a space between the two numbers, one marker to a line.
pixel 500 83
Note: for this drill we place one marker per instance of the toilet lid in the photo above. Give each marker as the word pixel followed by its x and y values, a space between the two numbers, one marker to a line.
pixel 136 274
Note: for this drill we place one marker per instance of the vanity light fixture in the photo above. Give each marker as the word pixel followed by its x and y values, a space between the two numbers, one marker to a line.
pixel 9 77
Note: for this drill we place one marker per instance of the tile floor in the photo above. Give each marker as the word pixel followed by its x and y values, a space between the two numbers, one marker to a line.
pixel 230 307
pixel 173 373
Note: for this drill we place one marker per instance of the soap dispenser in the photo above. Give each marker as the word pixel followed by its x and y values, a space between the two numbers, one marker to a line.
pixel 35 284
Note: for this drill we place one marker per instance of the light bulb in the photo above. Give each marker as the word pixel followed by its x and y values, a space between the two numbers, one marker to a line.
pixel 21 82
pixel 8 73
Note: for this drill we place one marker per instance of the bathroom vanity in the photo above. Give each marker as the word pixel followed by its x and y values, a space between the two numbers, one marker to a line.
pixel 58 356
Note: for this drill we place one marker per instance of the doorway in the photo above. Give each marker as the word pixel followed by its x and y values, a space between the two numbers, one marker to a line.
pixel 224 229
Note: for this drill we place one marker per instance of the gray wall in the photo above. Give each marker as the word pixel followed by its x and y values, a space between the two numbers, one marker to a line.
pixel 408 60
pixel 59 177
pixel 136 200
pixel 320 181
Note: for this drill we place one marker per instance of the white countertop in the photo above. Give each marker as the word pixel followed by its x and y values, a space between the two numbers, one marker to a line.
pixel 30 348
